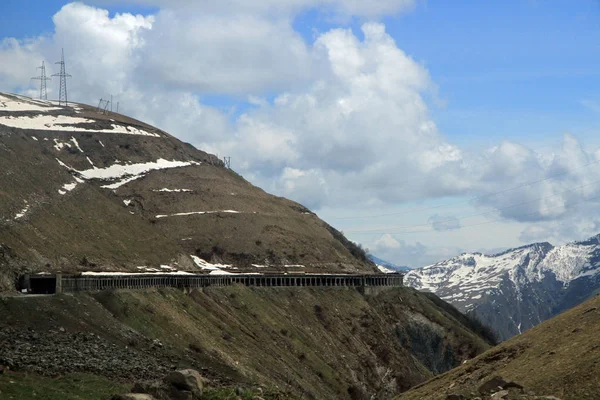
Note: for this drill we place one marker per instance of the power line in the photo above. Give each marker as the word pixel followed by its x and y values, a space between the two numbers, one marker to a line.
pixel 471 199
pixel 62 97
pixel 479 214
pixel 42 78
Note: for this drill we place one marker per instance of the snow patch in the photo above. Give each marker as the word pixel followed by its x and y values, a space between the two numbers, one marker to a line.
pixel 67 187
pixel 93 273
pixel 172 190
pixel 126 173
pixel 215 269
pixel 23 211
pixel 197 213
pixel 76 143
pixel 67 124
pixel 9 104
pixel 58 145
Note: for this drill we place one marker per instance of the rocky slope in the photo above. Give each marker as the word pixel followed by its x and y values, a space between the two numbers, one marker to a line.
pixel 519 288
pixel 556 360
pixel 315 343
pixel 81 190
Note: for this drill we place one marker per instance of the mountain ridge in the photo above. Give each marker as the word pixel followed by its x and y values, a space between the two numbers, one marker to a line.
pixel 516 289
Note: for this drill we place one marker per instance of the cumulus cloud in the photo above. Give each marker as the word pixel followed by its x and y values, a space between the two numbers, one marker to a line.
pixel 232 54
pixel 363 124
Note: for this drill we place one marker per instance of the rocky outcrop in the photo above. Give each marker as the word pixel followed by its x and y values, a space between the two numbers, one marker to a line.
pixel 186 384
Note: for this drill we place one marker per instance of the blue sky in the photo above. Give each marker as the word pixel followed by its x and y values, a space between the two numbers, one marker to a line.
pixel 506 66
pixel 519 72
pixel 503 68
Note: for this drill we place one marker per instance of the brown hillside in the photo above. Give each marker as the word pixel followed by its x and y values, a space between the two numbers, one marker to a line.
pixel 560 357
pixel 50 221
pixel 315 343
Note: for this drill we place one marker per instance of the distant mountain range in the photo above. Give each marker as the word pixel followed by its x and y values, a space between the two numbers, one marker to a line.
pixel 386 266
pixel 517 289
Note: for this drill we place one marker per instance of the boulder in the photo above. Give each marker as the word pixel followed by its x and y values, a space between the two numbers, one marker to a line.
pixel 154 388
pixel 501 395
pixel 492 385
pixel 132 396
pixel 187 380
pixel 512 385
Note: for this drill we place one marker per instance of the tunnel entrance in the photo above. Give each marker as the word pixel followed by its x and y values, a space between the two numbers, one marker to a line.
pixel 42 284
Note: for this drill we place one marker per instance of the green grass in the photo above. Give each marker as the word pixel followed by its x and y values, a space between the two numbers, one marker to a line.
pixel 25 386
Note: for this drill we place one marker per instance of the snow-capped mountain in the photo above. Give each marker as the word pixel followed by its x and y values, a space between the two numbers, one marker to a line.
pixel 386 266
pixel 517 289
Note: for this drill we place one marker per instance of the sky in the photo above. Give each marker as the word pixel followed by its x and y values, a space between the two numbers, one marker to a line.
pixel 421 129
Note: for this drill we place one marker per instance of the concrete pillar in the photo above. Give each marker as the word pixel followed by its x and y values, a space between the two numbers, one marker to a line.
pixel 58 287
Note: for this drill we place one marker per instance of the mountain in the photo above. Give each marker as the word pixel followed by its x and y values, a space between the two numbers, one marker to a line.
pixel 517 289
pixel 386 266
pixel 81 190
pixel 557 359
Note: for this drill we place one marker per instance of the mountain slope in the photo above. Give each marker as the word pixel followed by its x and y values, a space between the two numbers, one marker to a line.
pixel 519 288
pixel 82 190
pixel 316 343
pixel 557 358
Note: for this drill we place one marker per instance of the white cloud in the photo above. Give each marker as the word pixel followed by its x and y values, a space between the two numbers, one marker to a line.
pixel 283 7
pixel 232 54
pixel 360 123
pixel 413 255
pixel 385 242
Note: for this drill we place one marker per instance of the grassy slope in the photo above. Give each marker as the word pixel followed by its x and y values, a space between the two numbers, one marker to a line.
pixel 25 386
pixel 560 357
pixel 326 343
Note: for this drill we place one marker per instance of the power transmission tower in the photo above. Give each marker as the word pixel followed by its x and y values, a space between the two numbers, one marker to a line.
pixel 227 162
pixel 62 98
pixel 42 78
pixel 102 106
